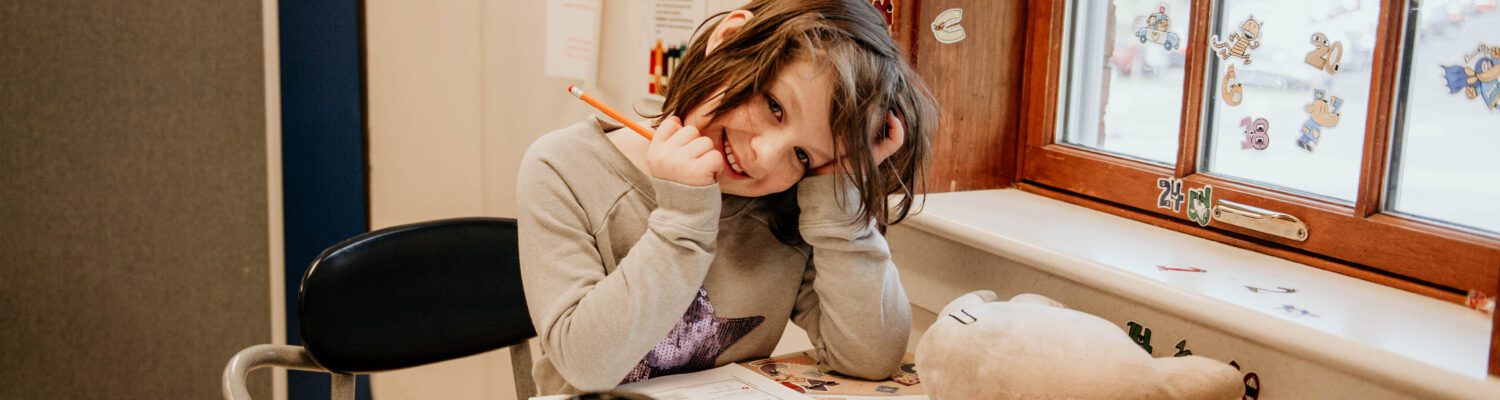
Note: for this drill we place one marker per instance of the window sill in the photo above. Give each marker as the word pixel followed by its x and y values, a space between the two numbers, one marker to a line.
pixel 1404 341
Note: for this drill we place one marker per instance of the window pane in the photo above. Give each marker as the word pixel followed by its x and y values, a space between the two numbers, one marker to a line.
pixel 1289 93
pixel 1125 69
pixel 1444 164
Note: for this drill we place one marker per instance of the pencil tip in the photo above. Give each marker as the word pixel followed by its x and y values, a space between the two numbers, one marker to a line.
pixel 575 91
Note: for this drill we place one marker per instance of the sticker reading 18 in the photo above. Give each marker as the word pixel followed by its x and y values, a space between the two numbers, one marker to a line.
pixel 1256 134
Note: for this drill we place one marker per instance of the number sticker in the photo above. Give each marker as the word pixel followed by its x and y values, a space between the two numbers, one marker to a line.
pixel 1325 55
pixel 1171 197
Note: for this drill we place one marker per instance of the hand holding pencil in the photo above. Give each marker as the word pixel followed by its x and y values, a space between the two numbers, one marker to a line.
pixel 677 153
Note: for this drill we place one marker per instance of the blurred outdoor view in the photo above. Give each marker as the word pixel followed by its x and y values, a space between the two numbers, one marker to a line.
pixel 1446 165
pixel 1125 64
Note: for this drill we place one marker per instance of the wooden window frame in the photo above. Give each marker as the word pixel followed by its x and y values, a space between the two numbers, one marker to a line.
pixel 1361 240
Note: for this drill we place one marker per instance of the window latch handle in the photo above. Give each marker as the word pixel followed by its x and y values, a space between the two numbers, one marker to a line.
pixel 1260 220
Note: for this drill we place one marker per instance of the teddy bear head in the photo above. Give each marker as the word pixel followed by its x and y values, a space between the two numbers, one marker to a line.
pixel 1032 347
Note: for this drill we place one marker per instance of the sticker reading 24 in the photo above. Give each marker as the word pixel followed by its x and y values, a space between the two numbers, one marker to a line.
pixel 1171 197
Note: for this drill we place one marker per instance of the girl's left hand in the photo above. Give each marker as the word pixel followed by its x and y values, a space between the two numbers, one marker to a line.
pixel 883 148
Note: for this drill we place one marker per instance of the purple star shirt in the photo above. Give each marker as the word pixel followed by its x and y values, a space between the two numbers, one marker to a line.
pixel 694 343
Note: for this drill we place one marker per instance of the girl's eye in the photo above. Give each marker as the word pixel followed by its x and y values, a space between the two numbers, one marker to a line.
pixel 774 106
pixel 803 157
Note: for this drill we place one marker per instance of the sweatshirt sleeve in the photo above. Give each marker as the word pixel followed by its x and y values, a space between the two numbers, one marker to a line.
pixel 595 327
pixel 851 302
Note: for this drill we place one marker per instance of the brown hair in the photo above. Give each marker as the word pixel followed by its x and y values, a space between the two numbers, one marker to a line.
pixel 872 77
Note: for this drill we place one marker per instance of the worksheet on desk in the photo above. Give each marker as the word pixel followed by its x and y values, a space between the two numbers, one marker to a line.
pixel 729 382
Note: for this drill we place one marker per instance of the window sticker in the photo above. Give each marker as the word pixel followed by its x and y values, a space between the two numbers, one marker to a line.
pixel 1257 134
pixel 1240 43
pixel 1481 81
pixel 1171 197
pixel 1322 112
pixel 1233 92
pixel 1200 205
pixel 1325 55
pixel 1157 28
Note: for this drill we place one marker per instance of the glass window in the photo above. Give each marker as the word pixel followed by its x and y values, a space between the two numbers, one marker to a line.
pixel 1289 94
pixel 1443 160
pixel 1124 80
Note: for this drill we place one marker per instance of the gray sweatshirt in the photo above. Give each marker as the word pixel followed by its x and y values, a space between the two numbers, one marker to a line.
pixel 630 277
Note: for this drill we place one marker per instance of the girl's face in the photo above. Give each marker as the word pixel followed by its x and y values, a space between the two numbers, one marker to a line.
pixel 770 142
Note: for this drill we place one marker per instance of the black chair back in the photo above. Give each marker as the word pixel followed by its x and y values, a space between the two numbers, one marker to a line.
pixel 414 294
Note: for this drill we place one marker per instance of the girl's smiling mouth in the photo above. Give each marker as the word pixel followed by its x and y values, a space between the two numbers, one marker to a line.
pixel 730 159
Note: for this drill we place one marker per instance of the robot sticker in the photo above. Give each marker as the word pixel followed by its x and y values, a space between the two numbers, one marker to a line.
pixel 1256 136
pixel 1325 55
pixel 1482 81
pixel 1200 205
pixel 1230 89
pixel 1171 194
pixel 1240 43
pixel 1322 112
pixel 1157 29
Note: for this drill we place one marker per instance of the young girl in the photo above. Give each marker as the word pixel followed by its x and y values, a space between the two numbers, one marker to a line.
pixel 764 202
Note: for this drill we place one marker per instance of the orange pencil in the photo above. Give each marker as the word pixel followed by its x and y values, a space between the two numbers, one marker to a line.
pixel 609 111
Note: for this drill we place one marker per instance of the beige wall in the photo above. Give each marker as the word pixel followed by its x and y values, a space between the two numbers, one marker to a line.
pixel 456 94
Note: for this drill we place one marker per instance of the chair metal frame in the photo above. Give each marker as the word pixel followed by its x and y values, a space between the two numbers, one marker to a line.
pixel 297 358
pixel 300 358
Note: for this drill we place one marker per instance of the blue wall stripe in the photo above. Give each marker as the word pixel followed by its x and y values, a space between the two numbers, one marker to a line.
pixel 323 149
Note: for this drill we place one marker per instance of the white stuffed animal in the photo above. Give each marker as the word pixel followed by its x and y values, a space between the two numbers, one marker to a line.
pixel 1032 347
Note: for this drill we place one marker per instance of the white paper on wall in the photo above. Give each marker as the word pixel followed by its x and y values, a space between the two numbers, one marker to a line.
pixel 573 38
pixel 671 29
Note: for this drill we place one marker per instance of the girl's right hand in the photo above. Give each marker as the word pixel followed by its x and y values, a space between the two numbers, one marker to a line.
pixel 679 154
